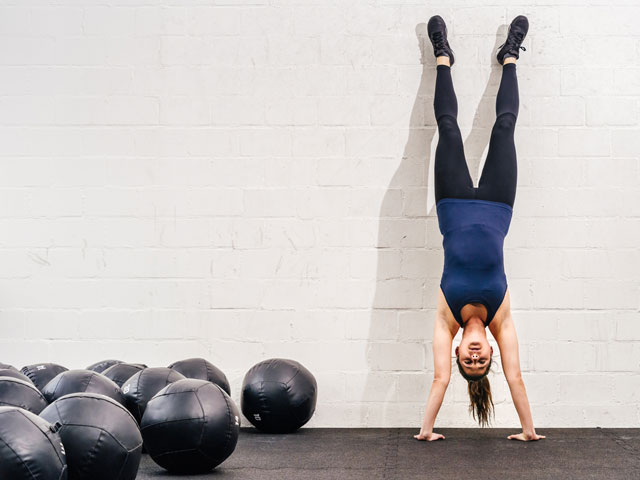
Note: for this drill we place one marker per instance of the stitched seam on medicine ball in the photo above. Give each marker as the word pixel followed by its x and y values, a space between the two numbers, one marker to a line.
pixel 16 454
pixel 136 395
pixel 122 466
pixel 166 422
pixel 230 423
pixel 64 472
pixel 51 442
pixel 88 382
pixel 294 376
pixel 112 436
pixel 177 451
pixel 204 425
pixel 206 369
pixel 92 454
pixel 20 459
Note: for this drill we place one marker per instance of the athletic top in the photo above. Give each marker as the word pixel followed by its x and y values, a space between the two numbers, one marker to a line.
pixel 473 237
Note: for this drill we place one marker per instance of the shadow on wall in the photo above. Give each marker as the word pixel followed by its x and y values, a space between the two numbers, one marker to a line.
pixel 410 259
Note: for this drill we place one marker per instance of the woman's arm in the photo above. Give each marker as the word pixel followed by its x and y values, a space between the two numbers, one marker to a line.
pixel 508 344
pixel 438 389
pixel 442 340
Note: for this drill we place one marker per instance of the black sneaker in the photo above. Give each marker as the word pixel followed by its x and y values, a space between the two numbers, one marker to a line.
pixel 437 30
pixel 517 31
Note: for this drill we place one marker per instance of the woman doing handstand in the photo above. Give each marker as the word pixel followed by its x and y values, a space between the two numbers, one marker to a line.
pixel 473 291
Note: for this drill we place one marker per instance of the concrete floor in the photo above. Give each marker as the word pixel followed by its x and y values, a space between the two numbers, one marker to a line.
pixel 393 453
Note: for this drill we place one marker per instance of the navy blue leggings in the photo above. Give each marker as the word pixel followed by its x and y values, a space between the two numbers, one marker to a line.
pixel 499 175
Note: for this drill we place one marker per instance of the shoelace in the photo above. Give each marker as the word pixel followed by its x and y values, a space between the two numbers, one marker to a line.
pixel 512 45
pixel 438 40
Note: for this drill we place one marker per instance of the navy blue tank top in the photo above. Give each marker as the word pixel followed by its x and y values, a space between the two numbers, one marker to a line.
pixel 473 237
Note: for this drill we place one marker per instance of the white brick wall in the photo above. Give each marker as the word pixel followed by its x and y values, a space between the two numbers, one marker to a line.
pixel 246 179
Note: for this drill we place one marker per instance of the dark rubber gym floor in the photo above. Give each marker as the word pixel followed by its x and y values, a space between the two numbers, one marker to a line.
pixel 393 453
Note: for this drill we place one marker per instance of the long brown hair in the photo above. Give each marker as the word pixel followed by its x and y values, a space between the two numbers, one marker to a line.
pixel 480 401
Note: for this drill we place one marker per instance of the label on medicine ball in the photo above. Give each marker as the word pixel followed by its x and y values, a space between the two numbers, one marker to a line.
pixel 256 416
pixel 237 420
pixel 126 388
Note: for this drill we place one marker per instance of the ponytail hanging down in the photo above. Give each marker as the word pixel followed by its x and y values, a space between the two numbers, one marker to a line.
pixel 480 401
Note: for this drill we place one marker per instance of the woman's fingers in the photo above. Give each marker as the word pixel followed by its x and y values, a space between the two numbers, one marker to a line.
pixel 430 437
pixel 521 436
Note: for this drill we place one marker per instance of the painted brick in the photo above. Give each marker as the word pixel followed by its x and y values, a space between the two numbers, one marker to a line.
pixel 245 179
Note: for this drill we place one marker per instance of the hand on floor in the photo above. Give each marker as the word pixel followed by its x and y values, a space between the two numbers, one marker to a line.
pixel 526 438
pixel 429 437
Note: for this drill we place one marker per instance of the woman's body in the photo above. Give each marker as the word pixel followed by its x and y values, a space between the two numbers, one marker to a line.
pixel 473 292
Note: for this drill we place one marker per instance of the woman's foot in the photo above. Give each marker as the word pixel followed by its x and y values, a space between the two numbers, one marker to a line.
pixel 437 30
pixel 512 46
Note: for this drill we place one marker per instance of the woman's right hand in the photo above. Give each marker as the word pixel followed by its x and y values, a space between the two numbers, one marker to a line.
pixel 524 437
pixel 428 436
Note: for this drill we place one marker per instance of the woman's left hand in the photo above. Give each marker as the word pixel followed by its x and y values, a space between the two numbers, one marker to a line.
pixel 524 437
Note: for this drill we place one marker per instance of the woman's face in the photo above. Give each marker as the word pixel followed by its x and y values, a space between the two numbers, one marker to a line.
pixel 474 354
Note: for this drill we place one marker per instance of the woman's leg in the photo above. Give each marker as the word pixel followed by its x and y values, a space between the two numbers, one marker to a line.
pixel 452 179
pixel 499 174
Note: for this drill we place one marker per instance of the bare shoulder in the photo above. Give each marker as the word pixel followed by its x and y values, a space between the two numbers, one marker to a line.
pixel 502 320
pixel 504 332
pixel 444 318
pixel 445 328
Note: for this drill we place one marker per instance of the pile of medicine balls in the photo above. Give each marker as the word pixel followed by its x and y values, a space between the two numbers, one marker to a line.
pixel 92 423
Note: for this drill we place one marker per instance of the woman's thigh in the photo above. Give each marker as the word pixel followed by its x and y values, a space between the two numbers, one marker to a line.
pixel 500 172
pixel 452 178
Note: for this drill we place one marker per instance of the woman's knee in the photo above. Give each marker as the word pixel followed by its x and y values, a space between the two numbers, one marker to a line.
pixel 505 122
pixel 448 126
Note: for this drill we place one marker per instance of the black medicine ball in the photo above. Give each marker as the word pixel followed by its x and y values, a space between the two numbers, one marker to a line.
pixel 76 381
pixel 101 438
pixel 30 448
pixel 142 386
pixel 122 372
pixel 102 365
pixel 203 370
pixel 278 395
pixel 9 372
pixel 190 426
pixel 20 393
pixel 42 373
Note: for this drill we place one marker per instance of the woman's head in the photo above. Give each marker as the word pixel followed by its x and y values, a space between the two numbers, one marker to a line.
pixel 473 357
pixel 474 354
